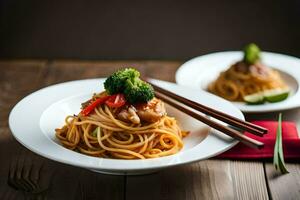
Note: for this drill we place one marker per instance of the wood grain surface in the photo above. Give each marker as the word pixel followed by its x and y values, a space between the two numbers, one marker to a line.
pixel 209 179
pixel 284 186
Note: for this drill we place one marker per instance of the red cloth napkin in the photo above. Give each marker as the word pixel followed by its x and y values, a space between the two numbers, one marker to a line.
pixel 290 143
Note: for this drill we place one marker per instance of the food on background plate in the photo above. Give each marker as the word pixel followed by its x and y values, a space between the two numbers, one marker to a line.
pixel 250 80
pixel 125 121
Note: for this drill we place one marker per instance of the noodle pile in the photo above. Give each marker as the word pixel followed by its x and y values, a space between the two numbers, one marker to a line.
pixel 101 134
pixel 242 79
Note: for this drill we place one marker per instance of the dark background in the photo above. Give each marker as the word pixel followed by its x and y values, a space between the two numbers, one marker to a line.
pixel 140 29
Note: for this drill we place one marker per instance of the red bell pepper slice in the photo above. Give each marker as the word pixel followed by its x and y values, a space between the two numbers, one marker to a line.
pixel 116 101
pixel 86 111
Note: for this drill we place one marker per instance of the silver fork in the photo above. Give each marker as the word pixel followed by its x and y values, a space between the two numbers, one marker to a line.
pixel 25 175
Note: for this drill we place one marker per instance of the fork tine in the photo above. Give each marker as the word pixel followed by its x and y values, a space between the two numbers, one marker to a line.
pixel 25 180
pixel 42 186
pixel 23 170
pixel 35 174
pixel 28 164
pixel 10 178
pixel 18 173
pixel 12 181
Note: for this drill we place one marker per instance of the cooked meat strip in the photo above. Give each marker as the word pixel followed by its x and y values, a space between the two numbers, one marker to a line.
pixel 128 114
pixel 151 111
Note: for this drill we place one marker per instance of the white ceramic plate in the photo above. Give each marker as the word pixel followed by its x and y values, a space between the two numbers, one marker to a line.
pixel 33 120
pixel 200 71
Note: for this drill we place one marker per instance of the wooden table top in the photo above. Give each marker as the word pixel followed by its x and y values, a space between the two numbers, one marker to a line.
pixel 208 179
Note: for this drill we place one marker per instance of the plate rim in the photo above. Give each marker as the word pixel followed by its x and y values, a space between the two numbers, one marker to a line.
pixel 86 165
pixel 246 108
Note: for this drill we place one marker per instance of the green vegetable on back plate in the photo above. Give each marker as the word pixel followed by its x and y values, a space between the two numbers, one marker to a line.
pixel 251 53
pixel 276 95
pixel 127 82
pixel 272 96
pixel 256 98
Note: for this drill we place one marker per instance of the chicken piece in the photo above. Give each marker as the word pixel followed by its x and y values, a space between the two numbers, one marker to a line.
pixel 241 67
pixel 129 114
pixel 152 111
pixel 260 71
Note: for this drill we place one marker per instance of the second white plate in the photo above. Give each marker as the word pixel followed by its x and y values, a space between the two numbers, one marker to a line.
pixel 200 71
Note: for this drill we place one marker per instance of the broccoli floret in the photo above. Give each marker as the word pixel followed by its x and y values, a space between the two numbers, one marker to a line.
pixel 251 53
pixel 116 82
pixel 127 81
pixel 138 91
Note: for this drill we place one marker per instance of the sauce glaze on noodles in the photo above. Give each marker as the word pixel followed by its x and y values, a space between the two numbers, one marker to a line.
pixel 101 134
pixel 241 80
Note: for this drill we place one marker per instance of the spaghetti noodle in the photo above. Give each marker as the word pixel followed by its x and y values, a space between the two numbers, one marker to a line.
pixel 243 79
pixel 103 134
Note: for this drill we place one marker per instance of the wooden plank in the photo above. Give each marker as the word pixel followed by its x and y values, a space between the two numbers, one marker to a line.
pixel 20 78
pixel 284 186
pixel 210 179
pixel 73 70
pixel 249 180
pixel 164 70
pixel 207 179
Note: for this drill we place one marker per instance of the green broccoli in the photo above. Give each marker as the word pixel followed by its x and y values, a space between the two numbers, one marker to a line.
pixel 116 82
pixel 251 53
pixel 127 81
pixel 138 91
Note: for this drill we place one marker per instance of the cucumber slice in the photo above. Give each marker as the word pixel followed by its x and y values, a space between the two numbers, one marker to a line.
pixel 256 98
pixel 272 96
pixel 276 95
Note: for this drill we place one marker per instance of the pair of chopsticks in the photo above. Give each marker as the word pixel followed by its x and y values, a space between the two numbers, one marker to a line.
pixel 233 121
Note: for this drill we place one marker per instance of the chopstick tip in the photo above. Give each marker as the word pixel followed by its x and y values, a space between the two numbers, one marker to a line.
pixel 260 145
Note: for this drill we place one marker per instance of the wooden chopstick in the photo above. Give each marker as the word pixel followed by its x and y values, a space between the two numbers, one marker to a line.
pixel 247 126
pixel 229 131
